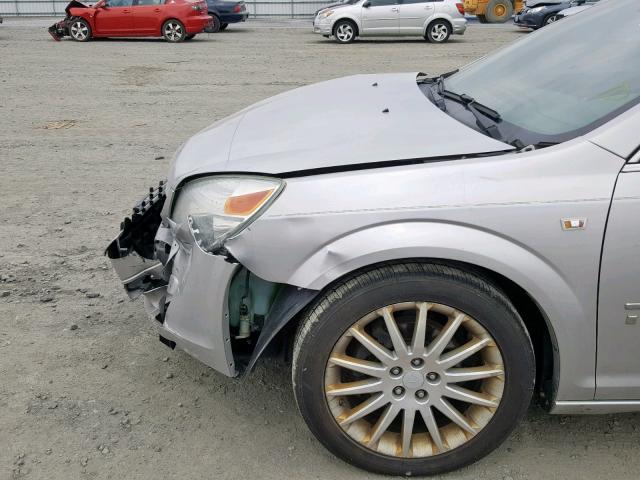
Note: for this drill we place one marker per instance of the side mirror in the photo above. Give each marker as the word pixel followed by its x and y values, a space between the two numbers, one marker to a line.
pixel 366 4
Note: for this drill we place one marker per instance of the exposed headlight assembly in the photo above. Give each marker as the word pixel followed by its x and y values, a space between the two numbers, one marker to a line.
pixel 218 208
pixel 326 13
pixel 536 9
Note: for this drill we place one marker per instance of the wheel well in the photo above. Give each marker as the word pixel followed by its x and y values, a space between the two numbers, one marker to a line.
pixel 355 25
pixel 536 322
pixel 444 20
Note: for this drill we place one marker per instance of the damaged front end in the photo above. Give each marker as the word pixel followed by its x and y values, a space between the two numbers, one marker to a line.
pixel 61 29
pixel 201 299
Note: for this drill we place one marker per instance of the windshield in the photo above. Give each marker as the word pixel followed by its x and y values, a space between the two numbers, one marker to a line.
pixel 565 79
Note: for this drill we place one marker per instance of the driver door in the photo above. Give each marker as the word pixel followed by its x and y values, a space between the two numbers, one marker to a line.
pixel 618 367
pixel 114 18
pixel 380 17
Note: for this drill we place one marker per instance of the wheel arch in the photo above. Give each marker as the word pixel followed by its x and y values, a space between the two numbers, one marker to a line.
pixel 437 16
pixel 524 273
pixel 348 18
pixel 167 19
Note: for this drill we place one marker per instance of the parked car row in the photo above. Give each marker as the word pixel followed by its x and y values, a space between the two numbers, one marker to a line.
pixel 175 20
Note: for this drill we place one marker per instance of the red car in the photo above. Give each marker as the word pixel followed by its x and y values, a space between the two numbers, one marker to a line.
pixel 175 20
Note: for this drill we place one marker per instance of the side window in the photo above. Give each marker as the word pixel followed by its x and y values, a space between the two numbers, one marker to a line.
pixel 409 2
pixel 150 2
pixel 120 3
pixel 382 3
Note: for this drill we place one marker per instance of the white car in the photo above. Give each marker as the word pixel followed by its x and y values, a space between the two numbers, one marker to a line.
pixel 435 20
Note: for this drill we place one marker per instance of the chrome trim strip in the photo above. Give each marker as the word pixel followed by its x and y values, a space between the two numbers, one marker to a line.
pixel 632 306
pixel 595 406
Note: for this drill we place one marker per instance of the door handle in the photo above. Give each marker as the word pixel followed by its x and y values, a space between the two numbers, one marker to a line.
pixel 126 11
pixel 157 10
pixel 394 9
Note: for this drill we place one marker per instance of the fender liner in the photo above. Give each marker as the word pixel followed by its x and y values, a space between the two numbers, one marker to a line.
pixel 288 303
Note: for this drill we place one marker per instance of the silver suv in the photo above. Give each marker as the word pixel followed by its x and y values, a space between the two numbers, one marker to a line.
pixel 473 242
pixel 435 20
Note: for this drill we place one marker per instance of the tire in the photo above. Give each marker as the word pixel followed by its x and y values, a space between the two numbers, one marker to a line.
pixel 499 11
pixel 482 19
pixel 190 37
pixel 345 31
pixel 478 311
pixel 79 30
pixel 173 31
pixel 438 31
pixel 223 26
pixel 549 19
pixel 214 25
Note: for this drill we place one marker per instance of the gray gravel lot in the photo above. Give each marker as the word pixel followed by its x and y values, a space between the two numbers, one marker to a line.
pixel 86 389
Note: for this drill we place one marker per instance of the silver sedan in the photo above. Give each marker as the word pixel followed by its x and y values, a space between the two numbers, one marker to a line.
pixel 431 251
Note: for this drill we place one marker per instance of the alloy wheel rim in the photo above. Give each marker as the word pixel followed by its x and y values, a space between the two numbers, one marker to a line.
pixel 439 32
pixel 414 379
pixel 79 30
pixel 344 32
pixel 551 19
pixel 173 31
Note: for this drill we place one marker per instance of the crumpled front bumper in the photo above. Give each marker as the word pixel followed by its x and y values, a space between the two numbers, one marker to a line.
pixel 59 30
pixel 185 294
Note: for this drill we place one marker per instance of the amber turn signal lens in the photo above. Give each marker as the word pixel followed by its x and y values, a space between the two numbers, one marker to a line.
pixel 246 204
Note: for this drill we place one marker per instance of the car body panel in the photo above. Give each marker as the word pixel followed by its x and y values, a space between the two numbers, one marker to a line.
pixel 530 19
pixel 225 11
pixel 618 372
pixel 348 127
pixel 138 18
pixel 392 18
pixel 502 213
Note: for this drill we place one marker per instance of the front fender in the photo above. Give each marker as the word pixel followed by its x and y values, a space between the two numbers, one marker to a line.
pixel 569 323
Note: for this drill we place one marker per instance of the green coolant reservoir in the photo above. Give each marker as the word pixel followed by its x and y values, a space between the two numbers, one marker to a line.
pixel 253 292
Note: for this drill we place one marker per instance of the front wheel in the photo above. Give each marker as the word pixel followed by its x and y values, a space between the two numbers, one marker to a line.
pixel 438 31
pixel 80 30
pixel 344 31
pixel 550 19
pixel 173 31
pixel 412 369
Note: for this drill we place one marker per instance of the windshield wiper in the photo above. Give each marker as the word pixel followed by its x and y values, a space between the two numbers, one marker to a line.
pixel 480 111
pixel 438 82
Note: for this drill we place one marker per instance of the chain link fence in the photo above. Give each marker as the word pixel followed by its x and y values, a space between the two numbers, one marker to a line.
pixel 260 8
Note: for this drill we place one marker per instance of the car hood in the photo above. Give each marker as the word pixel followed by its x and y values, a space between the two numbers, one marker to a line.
pixel 573 10
pixel 362 119
pixel 534 3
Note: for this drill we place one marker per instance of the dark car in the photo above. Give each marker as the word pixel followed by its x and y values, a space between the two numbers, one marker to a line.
pixel 538 13
pixel 224 13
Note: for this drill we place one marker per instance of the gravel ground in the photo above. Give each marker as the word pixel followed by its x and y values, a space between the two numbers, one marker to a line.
pixel 87 390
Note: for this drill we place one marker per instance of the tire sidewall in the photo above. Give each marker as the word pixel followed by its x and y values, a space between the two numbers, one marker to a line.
pixel 184 31
pixel 489 11
pixel 433 24
pixel 335 31
pixel 86 24
pixel 214 25
pixel 506 328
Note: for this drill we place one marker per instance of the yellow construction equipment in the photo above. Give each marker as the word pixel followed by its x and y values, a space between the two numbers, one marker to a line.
pixel 493 11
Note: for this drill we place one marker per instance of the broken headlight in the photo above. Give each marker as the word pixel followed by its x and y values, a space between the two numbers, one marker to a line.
pixel 217 208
